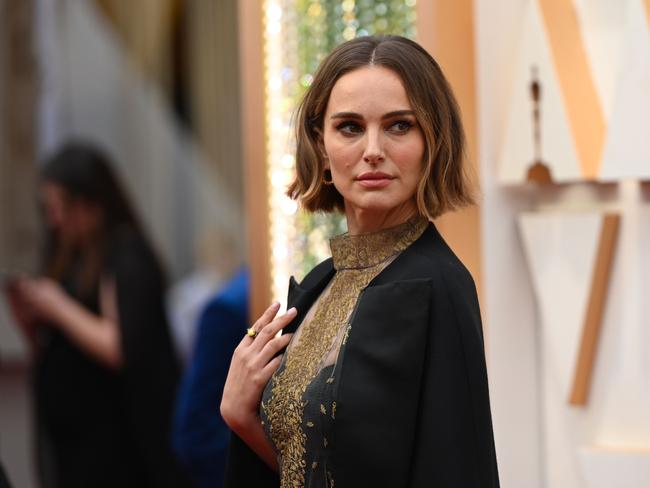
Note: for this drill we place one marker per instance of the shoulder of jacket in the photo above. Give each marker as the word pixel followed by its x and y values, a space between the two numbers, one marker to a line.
pixel 431 257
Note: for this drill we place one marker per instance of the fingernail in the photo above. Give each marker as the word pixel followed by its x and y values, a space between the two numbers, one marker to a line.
pixel 292 311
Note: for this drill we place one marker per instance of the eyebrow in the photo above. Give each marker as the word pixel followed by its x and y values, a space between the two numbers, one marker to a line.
pixel 354 115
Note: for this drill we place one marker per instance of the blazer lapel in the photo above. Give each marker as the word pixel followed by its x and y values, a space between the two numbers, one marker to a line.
pixel 303 295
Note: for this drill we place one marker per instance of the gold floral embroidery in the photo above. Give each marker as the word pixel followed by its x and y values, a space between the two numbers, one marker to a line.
pixel 357 260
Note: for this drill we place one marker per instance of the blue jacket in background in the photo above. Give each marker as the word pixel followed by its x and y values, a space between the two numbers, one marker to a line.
pixel 200 436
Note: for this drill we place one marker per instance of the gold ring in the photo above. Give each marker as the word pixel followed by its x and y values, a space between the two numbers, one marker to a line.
pixel 251 332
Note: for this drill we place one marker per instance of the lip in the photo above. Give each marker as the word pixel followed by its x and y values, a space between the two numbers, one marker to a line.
pixel 374 175
pixel 374 179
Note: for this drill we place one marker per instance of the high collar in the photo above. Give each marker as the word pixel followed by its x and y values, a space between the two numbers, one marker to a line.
pixel 367 250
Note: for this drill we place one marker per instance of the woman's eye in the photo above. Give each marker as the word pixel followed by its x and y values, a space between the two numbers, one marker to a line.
pixel 349 128
pixel 401 126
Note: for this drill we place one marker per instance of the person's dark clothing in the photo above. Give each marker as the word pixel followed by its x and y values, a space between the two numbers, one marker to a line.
pixel 4 480
pixel 108 428
pixel 412 397
pixel 201 436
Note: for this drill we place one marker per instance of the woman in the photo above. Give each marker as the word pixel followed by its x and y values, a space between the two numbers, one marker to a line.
pixel 105 371
pixel 383 382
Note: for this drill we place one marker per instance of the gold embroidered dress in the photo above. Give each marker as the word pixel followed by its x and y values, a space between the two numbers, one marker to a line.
pixel 298 408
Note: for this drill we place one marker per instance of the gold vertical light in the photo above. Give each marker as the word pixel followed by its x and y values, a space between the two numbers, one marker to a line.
pixel 280 77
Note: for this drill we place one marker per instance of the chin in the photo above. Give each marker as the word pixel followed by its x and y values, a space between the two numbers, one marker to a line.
pixel 376 203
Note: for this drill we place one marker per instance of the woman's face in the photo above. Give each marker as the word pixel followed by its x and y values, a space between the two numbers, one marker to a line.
pixel 72 220
pixel 372 144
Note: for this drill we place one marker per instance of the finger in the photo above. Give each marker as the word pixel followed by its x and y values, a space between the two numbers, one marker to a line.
pixel 22 284
pixel 266 317
pixel 271 329
pixel 273 347
pixel 269 369
pixel 259 324
pixel 245 341
pixel 25 289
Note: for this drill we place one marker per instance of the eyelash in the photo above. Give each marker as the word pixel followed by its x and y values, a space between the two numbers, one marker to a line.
pixel 351 124
pixel 406 123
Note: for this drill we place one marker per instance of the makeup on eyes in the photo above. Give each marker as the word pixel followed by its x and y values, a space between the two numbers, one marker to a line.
pixel 353 127
pixel 406 123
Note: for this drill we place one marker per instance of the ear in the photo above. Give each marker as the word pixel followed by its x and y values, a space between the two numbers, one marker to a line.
pixel 321 147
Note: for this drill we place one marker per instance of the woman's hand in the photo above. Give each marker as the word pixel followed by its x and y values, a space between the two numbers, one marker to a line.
pixel 45 297
pixel 253 363
pixel 98 335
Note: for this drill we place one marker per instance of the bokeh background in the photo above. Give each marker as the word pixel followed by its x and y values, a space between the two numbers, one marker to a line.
pixel 193 101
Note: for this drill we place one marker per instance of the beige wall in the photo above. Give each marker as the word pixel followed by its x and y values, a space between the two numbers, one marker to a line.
pixel 18 225
pixel 446 30
pixel 18 89
pixel 212 52
pixel 254 153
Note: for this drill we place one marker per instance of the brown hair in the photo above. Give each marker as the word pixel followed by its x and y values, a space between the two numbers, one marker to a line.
pixel 444 183
pixel 85 174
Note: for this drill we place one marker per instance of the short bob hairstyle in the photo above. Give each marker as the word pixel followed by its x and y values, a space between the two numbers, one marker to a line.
pixel 444 183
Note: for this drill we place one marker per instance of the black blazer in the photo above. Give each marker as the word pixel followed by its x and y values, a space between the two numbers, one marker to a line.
pixel 412 406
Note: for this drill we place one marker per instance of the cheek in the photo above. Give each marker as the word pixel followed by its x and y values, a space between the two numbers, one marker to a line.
pixel 77 221
pixel 409 158
pixel 55 215
pixel 341 154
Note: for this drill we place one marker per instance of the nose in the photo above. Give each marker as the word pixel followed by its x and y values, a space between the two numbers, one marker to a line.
pixel 374 151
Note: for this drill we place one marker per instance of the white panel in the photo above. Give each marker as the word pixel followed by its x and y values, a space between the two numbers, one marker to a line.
pixel 507 302
pixel 561 252
pixel 602 26
pixel 609 468
pixel 627 146
pixel 622 391
pixel 517 149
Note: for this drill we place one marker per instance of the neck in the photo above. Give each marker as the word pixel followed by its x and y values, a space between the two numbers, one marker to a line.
pixel 361 221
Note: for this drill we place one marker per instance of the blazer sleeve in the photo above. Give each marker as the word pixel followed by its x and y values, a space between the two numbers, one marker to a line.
pixel 454 443
pixel 244 468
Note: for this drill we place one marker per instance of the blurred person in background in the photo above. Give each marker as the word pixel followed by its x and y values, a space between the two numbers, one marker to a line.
pixel 218 261
pixel 201 436
pixel 105 371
